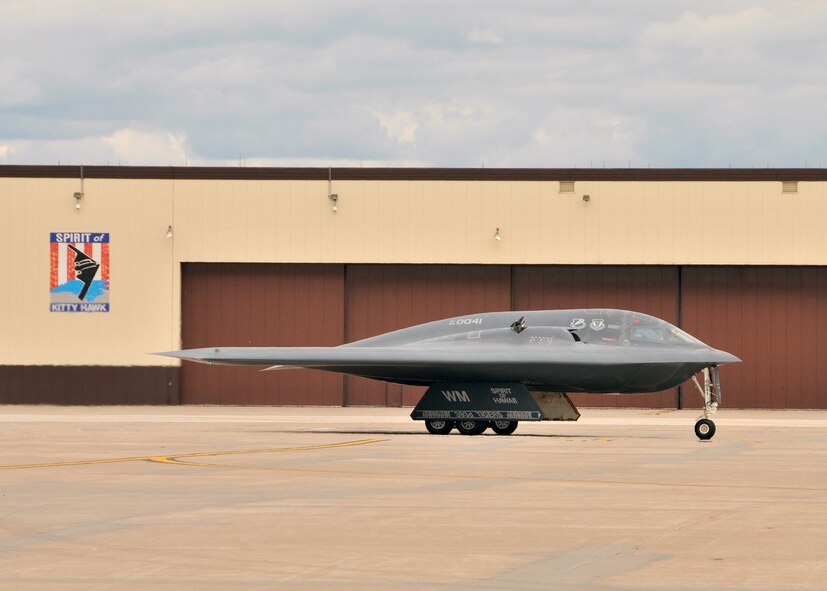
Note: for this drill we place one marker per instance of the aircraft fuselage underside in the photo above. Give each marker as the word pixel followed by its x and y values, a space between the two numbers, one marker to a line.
pixel 598 378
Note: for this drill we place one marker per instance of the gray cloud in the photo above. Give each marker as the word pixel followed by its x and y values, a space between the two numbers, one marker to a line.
pixel 643 82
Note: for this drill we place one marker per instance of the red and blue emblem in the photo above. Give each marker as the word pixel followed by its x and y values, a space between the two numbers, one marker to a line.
pixel 79 272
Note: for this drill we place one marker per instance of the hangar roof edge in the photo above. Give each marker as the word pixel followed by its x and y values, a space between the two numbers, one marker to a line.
pixel 416 174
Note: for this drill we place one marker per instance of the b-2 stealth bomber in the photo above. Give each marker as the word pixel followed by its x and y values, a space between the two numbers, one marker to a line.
pixel 495 369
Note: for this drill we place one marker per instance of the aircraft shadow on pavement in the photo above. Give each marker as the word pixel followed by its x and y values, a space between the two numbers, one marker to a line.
pixel 426 434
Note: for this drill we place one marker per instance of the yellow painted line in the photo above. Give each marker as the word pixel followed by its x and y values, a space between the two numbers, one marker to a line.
pixel 77 463
pixel 276 450
pixel 496 478
pixel 171 459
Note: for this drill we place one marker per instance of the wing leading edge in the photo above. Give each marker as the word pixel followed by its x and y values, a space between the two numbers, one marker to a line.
pixel 579 368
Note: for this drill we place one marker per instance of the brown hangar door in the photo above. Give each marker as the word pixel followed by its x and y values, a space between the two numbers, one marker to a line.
pixel 650 289
pixel 260 305
pixel 774 319
pixel 381 298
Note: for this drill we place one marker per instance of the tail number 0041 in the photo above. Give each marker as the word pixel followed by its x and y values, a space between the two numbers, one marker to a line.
pixel 460 321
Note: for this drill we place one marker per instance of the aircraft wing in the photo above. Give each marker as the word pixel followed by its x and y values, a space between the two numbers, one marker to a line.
pixel 584 368
pixel 440 356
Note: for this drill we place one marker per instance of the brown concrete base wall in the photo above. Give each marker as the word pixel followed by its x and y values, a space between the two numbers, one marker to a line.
pixel 46 384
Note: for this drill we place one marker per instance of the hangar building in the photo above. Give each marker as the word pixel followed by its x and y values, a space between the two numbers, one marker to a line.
pixel 192 257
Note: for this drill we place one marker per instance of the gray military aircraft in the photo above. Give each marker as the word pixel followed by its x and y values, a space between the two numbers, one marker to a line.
pixel 495 369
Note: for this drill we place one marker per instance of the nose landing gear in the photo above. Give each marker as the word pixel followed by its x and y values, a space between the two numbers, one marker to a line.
pixel 711 393
pixel 704 429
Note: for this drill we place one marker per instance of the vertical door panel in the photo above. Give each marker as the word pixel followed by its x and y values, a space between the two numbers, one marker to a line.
pixel 261 305
pixel 773 318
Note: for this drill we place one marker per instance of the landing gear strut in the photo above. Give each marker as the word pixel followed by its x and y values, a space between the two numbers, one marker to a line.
pixel 711 393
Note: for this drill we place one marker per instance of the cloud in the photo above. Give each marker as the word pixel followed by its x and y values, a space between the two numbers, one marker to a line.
pixel 530 83
pixel 133 146
pixel 123 147
pixel 484 37
pixel 745 26
pixel 399 125
pixel 18 84
pixel 291 162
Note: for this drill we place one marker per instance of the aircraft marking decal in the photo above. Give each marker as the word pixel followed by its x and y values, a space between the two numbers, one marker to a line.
pixel 456 395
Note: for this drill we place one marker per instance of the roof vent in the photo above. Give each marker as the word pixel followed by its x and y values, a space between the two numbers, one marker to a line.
pixel 789 187
pixel 567 186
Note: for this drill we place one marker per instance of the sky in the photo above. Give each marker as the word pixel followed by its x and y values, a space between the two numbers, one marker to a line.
pixel 637 83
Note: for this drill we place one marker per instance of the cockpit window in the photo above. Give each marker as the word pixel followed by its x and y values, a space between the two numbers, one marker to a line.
pixel 648 329
pixel 677 336
pixel 615 327
pixel 651 334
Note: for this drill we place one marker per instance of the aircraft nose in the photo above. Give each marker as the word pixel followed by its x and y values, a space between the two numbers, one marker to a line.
pixel 721 357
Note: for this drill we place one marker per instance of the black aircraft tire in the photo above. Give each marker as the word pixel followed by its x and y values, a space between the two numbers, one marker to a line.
pixel 471 427
pixel 704 429
pixel 439 426
pixel 504 427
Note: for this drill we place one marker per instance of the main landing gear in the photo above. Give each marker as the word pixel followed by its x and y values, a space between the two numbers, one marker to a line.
pixel 470 426
pixel 711 393
pixel 439 426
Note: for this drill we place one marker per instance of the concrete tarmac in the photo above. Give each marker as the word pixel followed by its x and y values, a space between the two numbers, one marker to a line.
pixel 220 498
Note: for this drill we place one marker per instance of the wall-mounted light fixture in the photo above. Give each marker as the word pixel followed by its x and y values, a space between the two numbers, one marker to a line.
pixel 587 198
pixel 330 194
pixel 79 194
pixel 497 235
pixel 169 232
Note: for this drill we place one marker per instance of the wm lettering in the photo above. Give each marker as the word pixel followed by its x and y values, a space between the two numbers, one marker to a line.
pixel 456 395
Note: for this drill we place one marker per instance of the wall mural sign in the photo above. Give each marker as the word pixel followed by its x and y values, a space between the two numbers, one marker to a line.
pixel 79 271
